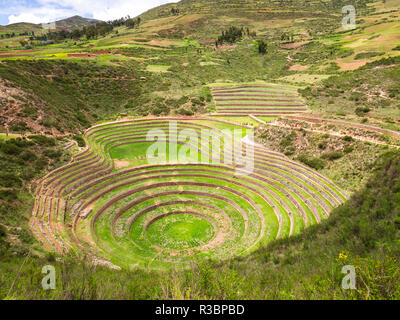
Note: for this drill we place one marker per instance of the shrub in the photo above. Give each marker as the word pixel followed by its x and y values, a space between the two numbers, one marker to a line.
pixel 333 155
pixel 43 140
pixel 40 164
pixel 82 119
pixel 79 139
pixel 312 162
pixel 366 55
pixel 185 112
pixel 286 144
pixel 52 153
pixel 3 232
pixel 348 139
pixel 19 126
pixel 348 149
pixel 290 151
pixel 262 47
pixel 10 148
pixel 30 111
pixel 28 155
pixel 9 180
pixel 397 222
pixel 362 111
pixel 322 145
pixel 8 195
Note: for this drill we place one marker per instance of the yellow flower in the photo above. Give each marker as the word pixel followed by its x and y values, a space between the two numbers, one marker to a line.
pixel 342 256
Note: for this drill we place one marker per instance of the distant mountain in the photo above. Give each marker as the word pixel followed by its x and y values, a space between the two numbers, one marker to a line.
pixel 75 22
pixel 20 28
pixel 205 19
pixel 245 7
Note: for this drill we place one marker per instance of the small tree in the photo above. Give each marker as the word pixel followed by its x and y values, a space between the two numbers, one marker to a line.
pixel 262 47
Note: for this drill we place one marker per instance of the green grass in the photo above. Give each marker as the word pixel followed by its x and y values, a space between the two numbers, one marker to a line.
pixel 157 68
pixel 180 231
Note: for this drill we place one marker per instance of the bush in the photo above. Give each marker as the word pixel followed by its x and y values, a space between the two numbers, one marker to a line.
pixel 40 164
pixel 290 151
pixel 9 180
pixel 348 139
pixel 362 111
pixel 366 55
pixel 184 112
pixel 81 142
pixel 312 162
pixel 82 119
pixel 10 148
pixel 3 232
pixel 43 140
pixel 8 195
pixel 19 126
pixel 262 47
pixel 322 145
pixel 52 154
pixel 28 155
pixel 348 149
pixel 333 155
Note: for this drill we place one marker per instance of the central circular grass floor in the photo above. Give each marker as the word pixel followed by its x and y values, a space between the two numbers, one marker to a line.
pixel 180 231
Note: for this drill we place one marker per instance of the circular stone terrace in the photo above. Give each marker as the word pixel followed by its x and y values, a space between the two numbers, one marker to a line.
pixel 110 203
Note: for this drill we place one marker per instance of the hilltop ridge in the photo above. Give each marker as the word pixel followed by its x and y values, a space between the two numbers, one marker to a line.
pixel 75 22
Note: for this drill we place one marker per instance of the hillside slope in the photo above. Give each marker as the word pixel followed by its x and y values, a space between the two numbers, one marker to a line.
pixel 69 24
pixel 75 22
pixel 20 28
pixel 364 233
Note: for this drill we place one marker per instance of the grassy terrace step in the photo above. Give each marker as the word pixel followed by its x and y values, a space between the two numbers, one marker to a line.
pixel 257 105
pixel 265 95
pixel 260 186
pixel 252 109
pixel 254 113
pixel 140 136
pixel 255 86
pixel 165 214
pixel 271 99
pixel 257 99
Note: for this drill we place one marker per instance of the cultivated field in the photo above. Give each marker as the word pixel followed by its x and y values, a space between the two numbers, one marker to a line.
pixel 256 99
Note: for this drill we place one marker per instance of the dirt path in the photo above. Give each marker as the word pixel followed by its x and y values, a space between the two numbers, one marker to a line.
pixel 275 124
pixel 391 133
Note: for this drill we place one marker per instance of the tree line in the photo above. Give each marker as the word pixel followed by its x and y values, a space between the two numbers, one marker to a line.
pixel 91 32
pixel 13 34
pixel 234 34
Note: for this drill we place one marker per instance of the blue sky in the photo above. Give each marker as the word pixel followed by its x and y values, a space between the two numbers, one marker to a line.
pixel 39 11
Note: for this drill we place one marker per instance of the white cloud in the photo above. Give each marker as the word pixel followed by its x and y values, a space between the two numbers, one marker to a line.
pixel 40 15
pixel 51 10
